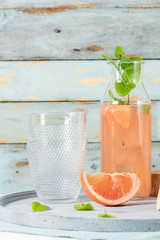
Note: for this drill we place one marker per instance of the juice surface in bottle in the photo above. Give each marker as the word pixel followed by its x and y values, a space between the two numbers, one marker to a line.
pixel 126 141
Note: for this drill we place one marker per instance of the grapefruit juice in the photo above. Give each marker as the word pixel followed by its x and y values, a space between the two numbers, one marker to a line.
pixel 126 141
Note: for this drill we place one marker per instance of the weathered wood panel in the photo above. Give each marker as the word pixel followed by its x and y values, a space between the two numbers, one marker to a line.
pixel 51 4
pixel 15 174
pixel 5 4
pixel 156 121
pixel 64 80
pixel 13 119
pixel 64 3
pixel 14 171
pixel 78 33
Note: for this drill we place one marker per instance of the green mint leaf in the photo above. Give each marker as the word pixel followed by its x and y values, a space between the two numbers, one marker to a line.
pixel 120 102
pixel 132 59
pixel 36 207
pixel 125 63
pixel 122 88
pixel 136 58
pixel 128 76
pixel 145 108
pixel 127 66
pixel 111 94
pixel 132 74
pixel 135 69
pixel 125 59
pixel 83 207
pixel 118 52
pixel 105 215
pixel 137 72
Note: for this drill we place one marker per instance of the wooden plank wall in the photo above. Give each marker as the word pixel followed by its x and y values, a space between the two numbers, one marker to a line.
pixel 50 60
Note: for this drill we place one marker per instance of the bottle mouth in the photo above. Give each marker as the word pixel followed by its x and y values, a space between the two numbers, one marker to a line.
pixel 124 61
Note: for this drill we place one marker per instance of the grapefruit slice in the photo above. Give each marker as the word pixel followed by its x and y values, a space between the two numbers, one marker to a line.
pixel 110 189
pixel 121 114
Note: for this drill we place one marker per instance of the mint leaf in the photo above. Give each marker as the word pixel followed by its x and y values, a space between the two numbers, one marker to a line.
pixel 83 207
pixel 132 59
pixel 127 66
pixel 122 88
pixel 111 95
pixel 137 72
pixel 126 59
pixel 118 52
pixel 132 72
pixel 145 108
pixel 128 76
pixel 36 207
pixel 120 102
pixel 105 215
pixel 135 69
pixel 136 58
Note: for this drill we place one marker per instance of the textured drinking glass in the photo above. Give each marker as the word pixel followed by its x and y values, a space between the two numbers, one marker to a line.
pixel 57 154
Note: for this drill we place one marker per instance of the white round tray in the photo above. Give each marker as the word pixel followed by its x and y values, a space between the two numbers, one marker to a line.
pixel 134 216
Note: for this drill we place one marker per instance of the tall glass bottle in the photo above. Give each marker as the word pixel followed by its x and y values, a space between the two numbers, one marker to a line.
pixel 126 124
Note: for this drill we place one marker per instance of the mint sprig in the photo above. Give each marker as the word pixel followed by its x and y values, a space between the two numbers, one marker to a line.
pixel 83 207
pixel 105 215
pixel 130 73
pixel 36 207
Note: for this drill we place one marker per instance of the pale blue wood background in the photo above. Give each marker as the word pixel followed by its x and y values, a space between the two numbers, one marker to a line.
pixel 65 80
pixel 50 60
pixel 78 32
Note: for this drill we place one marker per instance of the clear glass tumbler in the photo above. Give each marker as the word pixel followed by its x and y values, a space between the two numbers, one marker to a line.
pixel 57 154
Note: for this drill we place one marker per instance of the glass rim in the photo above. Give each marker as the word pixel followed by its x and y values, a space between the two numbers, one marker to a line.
pixel 120 61
pixel 56 113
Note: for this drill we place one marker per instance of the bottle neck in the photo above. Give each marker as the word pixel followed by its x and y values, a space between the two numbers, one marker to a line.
pixel 128 72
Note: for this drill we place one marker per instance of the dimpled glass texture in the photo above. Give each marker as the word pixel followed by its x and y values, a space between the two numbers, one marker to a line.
pixel 57 154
